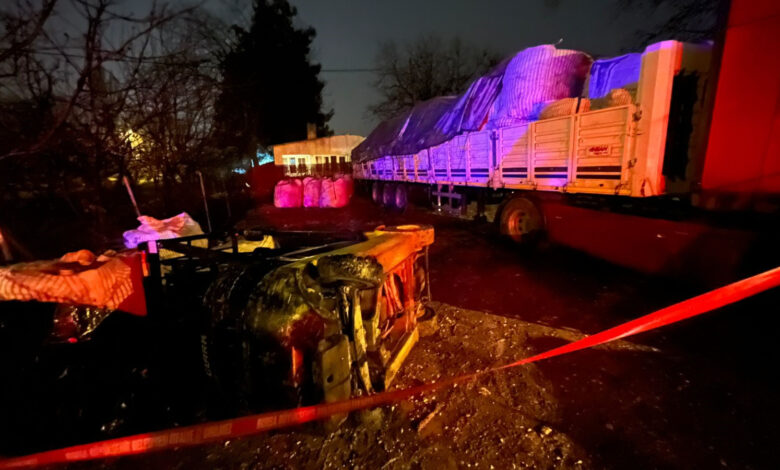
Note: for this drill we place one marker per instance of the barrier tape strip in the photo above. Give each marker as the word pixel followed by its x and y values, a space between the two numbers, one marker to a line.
pixel 247 425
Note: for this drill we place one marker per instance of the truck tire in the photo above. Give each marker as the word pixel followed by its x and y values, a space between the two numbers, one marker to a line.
pixel 388 195
pixel 377 192
pixel 521 220
pixel 401 197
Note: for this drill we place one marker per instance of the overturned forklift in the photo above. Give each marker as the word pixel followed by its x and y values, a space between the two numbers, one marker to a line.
pixel 319 323
pixel 266 320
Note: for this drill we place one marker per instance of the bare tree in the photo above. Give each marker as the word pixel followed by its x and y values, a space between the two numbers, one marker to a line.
pixel 424 69
pixel 174 108
pixel 93 79
pixel 22 24
pixel 90 92
pixel 687 20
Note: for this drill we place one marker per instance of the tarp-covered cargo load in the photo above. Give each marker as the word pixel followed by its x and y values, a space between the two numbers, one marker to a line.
pixel 615 72
pixel 513 92
pixel 381 140
pixel 471 111
pixel 424 127
pixel 534 77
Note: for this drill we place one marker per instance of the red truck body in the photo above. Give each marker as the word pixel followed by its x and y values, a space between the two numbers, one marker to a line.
pixel 743 151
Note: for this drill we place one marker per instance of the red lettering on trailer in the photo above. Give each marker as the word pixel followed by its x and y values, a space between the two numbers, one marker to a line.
pixel 598 150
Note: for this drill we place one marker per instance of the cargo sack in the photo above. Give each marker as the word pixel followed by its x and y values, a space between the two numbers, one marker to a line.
pixel 348 181
pixel 334 193
pixel 312 187
pixel 616 97
pixel 564 107
pixel 536 75
pixel 288 193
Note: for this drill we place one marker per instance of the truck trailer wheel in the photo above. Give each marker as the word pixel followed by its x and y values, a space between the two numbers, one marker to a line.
pixel 388 195
pixel 521 220
pixel 401 197
pixel 377 192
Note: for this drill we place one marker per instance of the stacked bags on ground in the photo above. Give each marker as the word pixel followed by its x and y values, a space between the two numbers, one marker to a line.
pixel 314 192
pixel 288 193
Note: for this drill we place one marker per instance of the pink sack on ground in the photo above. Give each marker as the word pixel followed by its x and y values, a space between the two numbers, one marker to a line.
pixel 334 193
pixel 312 187
pixel 288 193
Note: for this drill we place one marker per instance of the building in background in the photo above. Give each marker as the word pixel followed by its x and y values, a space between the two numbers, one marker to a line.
pixel 317 156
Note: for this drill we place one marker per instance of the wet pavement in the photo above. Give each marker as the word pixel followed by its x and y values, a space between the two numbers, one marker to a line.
pixel 700 394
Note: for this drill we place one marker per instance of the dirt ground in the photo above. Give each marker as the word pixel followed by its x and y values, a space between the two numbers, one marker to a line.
pixel 501 420
pixel 695 395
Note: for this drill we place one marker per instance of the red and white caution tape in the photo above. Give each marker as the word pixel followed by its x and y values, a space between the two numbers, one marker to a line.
pixel 244 426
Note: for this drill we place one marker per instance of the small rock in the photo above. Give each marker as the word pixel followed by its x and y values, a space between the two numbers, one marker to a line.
pixel 428 325
pixel 545 430
pixel 372 419
pixel 427 420
pixel 499 347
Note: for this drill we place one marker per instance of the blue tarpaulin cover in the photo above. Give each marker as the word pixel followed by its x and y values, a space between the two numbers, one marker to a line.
pixel 423 126
pixel 470 112
pixel 615 72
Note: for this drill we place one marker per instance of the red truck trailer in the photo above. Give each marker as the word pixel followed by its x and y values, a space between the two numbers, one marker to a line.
pixel 666 160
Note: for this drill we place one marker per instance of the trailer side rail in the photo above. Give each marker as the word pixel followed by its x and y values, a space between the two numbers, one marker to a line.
pixel 588 152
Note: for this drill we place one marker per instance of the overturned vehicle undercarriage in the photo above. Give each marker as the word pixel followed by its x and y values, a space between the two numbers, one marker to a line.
pixel 334 321
pixel 275 319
